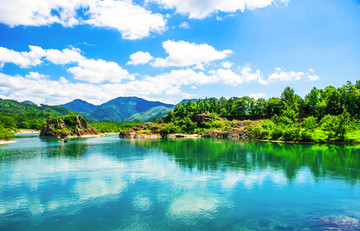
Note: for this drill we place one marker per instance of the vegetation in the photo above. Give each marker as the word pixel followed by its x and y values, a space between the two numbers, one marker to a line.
pixel 15 115
pixel 324 115
pixel 110 126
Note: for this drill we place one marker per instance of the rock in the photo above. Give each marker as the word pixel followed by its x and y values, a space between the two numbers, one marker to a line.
pixel 203 117
pixel 58 129
pixel 180 135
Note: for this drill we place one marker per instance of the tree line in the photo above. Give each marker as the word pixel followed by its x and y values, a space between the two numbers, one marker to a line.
pixel 329 113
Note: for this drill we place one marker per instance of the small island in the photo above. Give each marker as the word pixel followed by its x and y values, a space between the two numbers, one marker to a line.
pixel 70 126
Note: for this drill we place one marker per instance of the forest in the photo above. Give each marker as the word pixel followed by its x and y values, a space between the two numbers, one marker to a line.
pixel 323 115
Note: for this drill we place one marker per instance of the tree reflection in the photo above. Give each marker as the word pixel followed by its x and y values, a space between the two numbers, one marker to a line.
pixel 231 154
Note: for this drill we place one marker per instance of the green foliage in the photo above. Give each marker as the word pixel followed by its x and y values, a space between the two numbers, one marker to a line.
pixel 5 134
pixel 15 115
pixel 109 126
pixel 70 120
pixel 168 129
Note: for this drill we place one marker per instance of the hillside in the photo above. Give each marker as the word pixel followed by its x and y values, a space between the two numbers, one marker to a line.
pixel 149 114
pixel 18 115
pixel 121 108
pixel 80 106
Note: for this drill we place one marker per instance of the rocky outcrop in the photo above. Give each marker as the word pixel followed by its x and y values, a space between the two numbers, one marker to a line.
pixel 152 131
pixel 57 128
pixel 203 117
pixel 147 130
pixel 180 135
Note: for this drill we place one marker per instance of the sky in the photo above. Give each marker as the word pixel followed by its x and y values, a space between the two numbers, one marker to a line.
pixel 52 52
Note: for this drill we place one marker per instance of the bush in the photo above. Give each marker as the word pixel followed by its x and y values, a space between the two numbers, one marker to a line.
pixel 168 129
pixel 70 120
pixel 5 134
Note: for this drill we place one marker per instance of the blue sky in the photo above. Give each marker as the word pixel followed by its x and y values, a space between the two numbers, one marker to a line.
pixel 52 52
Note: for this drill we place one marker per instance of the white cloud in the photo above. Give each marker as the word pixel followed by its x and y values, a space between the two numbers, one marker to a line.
pixel 313 77
pixel 139 58
pixel 284 76
pixel 182 54
pixel 65 56
pixel 227 64
pixel 200 9
pixel 249 76
pixel 36 75
pixel 23 59
pixel 184 25
pixel 97 71
pixel 226 76
pixel 131 20
pixel 257 95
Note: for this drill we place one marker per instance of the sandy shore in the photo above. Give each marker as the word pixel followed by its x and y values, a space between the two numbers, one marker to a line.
pixel 6 142
pixel 26 131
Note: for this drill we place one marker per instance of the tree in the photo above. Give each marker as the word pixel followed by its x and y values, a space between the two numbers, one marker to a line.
pixel 312 102
pixel 260 107
pixel 274 106
pixel 289 98
pixel 331 98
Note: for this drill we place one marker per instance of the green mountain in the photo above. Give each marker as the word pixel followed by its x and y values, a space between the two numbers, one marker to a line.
pixel 80 106
pixel 14 114
pixel 186 100
pixel 159 112
pixel 122 108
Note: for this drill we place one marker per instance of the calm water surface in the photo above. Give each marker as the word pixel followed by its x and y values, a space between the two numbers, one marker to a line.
pixel 109 183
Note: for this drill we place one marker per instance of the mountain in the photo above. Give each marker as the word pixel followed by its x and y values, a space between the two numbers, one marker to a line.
pixel 23 115
pixel 80 106
pixel 28 102
pixel 147 116
pixel 122 108
pixel 186 100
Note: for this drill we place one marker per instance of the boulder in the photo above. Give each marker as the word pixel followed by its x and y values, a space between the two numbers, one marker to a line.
pixel 203 117
pixel 58 129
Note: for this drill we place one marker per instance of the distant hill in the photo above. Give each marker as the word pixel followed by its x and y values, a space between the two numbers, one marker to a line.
pixel 147 116
pixel 80 106
pixel 14 114
pixel 123 108
pixel 28 102
pixel 186 100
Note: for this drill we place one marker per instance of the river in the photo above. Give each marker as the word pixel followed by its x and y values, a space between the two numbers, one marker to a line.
pixel 109 183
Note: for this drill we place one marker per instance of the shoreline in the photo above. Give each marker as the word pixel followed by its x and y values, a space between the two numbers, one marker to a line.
pixel 26 131
pixel 246 139
pixel 2 142
pixel 301 142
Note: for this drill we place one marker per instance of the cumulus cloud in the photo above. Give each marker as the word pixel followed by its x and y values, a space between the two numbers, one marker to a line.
pixel 139 57
pixel 313 77
pixel 65 56
pixel 133 21
pixel 89 70
pixel 227 64
pixel 200 9
pixel 22 59
pixel 36 75
pixel 284 76
pixel 184 25
pixel 257 95
pixel 97 71
pixel 182 54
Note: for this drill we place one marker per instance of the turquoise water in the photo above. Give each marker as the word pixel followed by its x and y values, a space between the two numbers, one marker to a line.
pixel 109 183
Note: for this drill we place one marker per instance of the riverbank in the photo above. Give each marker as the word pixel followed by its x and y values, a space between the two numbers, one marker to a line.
pixel 27 131
pixel 6 142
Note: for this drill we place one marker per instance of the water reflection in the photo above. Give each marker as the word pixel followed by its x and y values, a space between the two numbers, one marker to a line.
pixel 113 184
pixel 221 154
